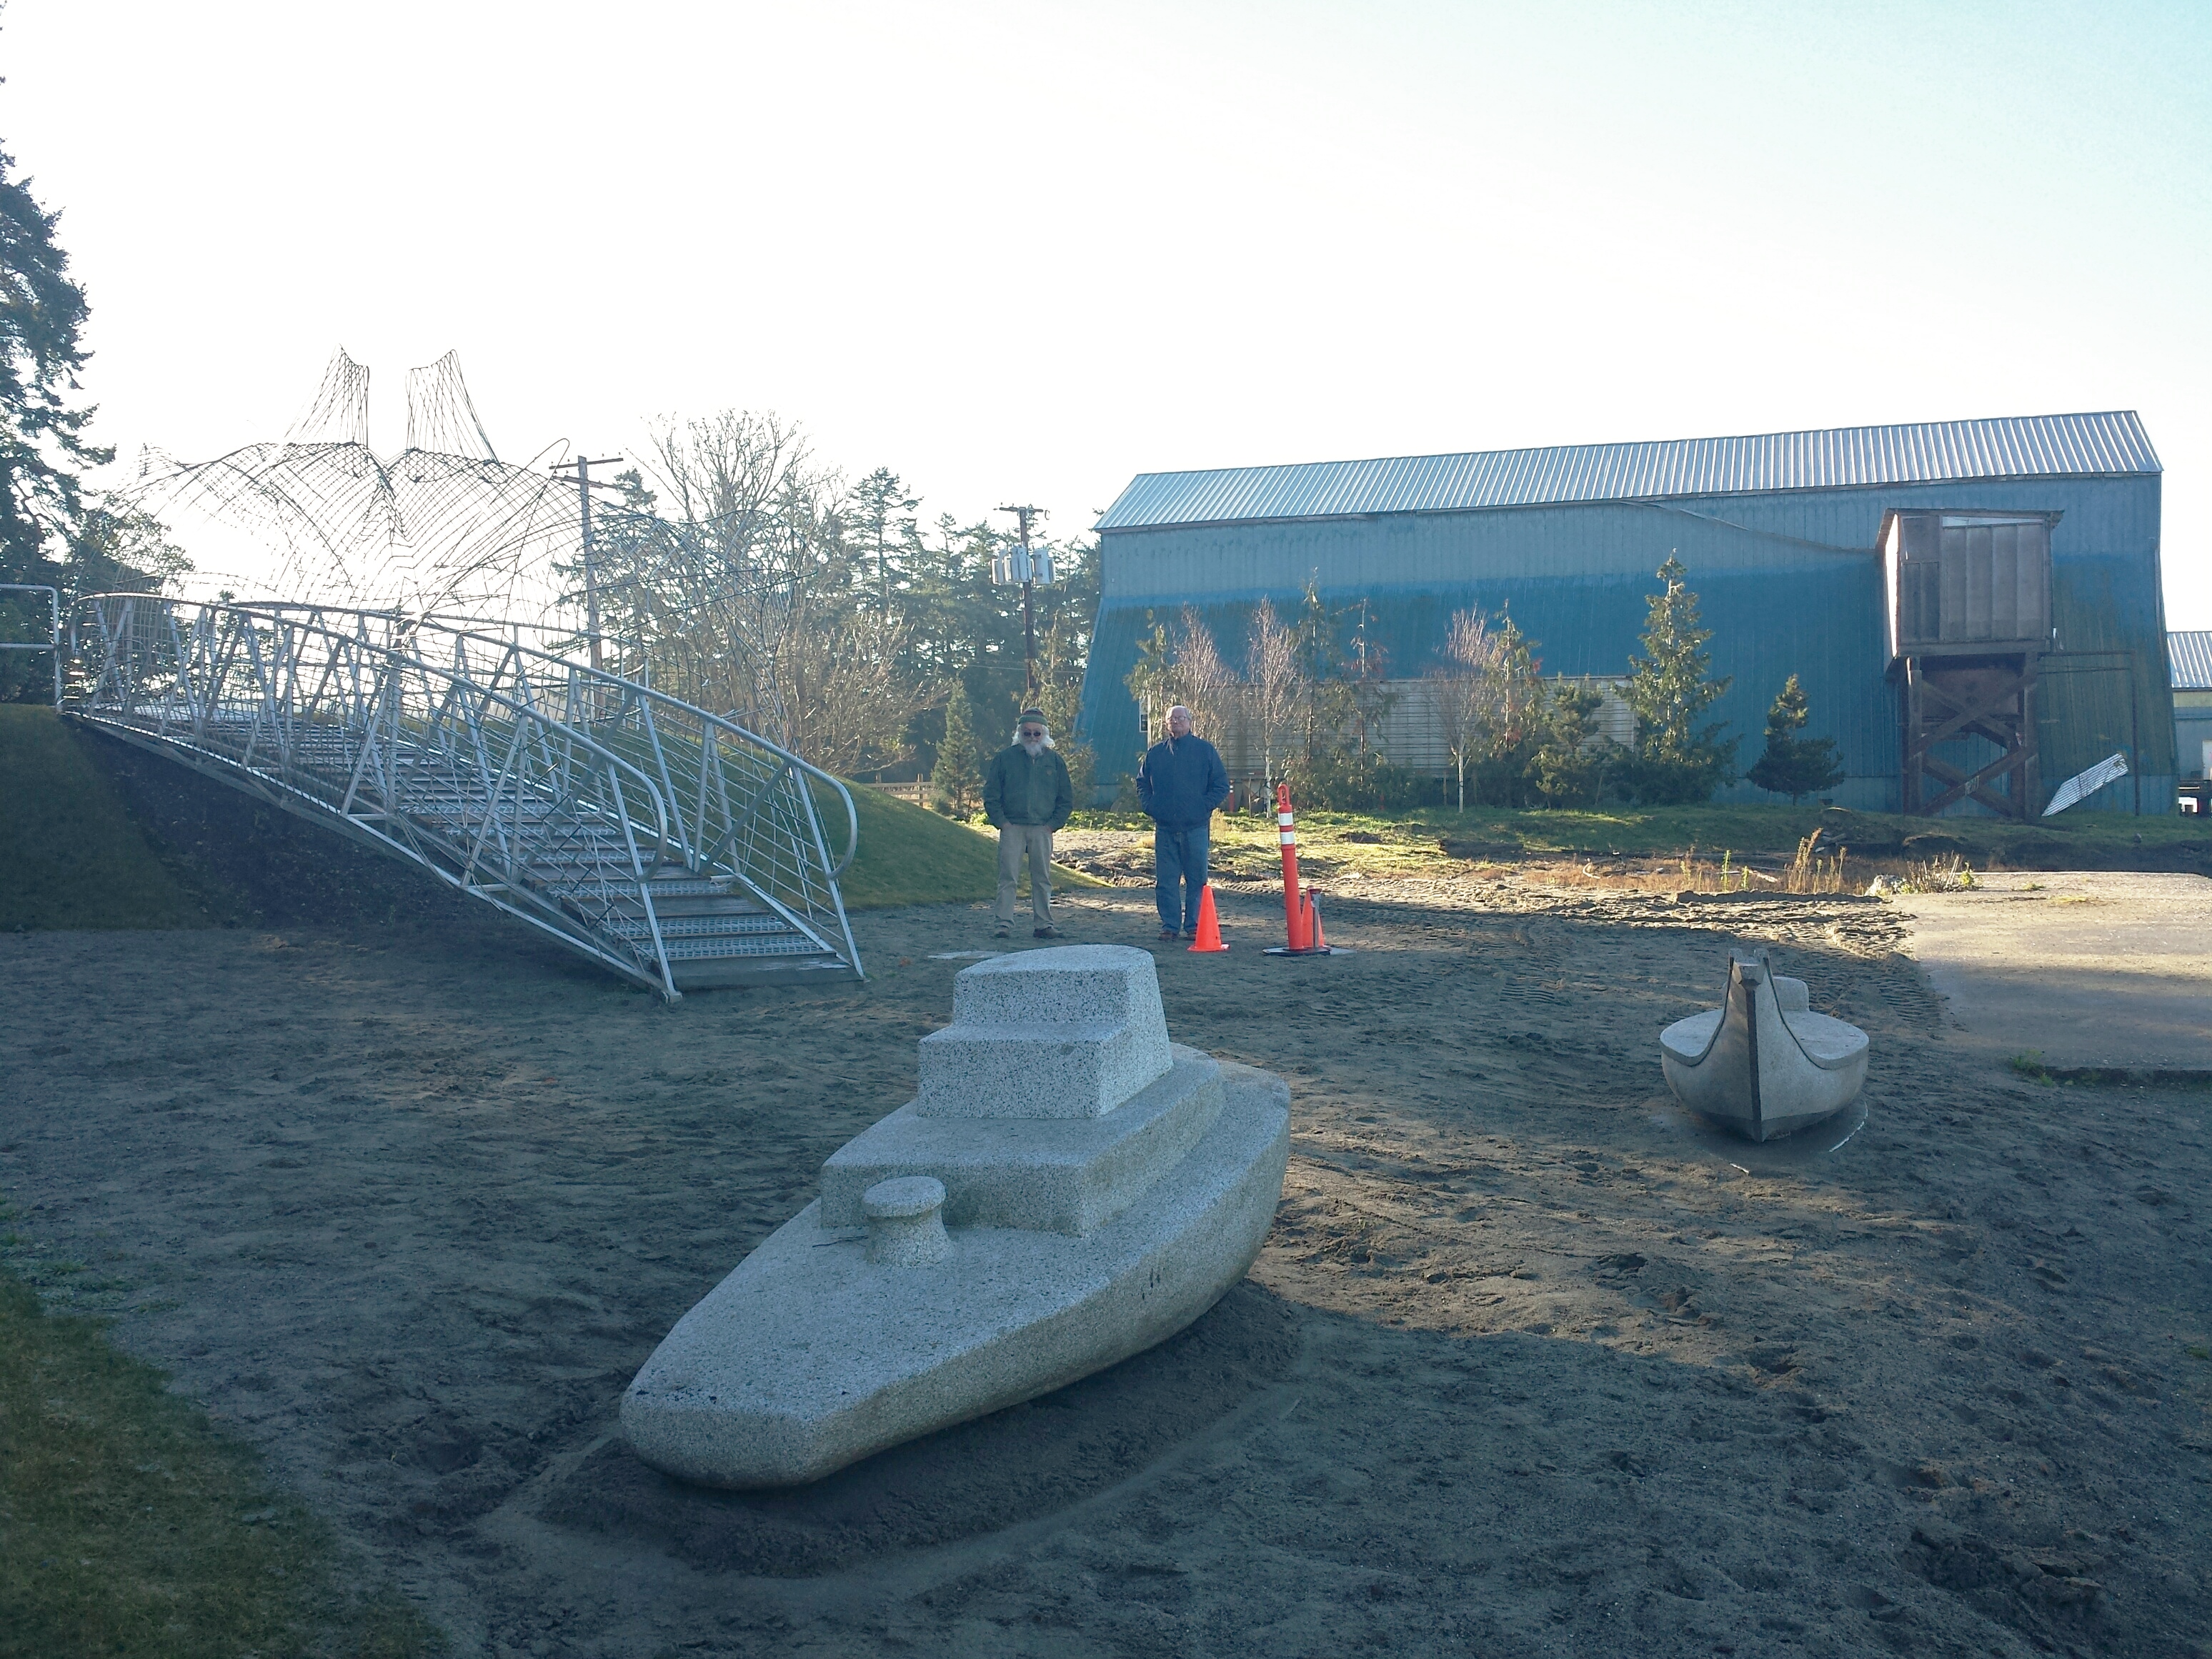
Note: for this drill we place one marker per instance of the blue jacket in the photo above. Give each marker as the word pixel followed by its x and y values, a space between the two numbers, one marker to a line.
pixel 1181 783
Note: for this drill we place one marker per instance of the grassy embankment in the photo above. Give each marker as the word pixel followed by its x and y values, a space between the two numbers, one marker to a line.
pixel 910 855
pixel 70 854
pixel 130 1526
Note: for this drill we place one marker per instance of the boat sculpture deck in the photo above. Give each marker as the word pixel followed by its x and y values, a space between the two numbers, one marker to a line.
pixel 1763 1063
pixel 1067 1190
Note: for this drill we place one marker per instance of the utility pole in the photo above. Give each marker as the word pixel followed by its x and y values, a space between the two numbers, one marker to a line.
pixel 1026 570
pixel 584 464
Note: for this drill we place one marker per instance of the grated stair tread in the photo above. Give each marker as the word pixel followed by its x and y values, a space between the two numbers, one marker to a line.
pixel 701 927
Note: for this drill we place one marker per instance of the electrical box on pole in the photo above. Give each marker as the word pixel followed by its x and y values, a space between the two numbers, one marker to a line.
pixel 1031 568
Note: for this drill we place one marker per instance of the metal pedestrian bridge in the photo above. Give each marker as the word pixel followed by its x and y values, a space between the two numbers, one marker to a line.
pixel 665 843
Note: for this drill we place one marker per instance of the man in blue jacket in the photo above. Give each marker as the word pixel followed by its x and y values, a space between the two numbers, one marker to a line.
pixel 1180 785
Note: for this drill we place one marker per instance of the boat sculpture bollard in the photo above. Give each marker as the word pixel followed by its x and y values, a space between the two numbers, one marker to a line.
pixel 906 1221
pixel 1068 1188
pixel 1763 1063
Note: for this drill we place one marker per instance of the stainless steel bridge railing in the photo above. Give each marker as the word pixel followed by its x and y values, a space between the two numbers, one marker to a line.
pixel 666 843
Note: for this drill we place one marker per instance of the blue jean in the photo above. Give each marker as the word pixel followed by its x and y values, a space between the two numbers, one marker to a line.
pixel 1179 867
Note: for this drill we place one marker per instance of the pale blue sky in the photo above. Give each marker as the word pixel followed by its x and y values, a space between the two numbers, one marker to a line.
pixel 1027 251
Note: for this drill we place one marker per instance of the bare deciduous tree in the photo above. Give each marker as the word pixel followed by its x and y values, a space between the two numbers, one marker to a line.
pixel 1200 679
pixel 1277 689
pixel 846 699
pixel 1472 691
pixel 744 592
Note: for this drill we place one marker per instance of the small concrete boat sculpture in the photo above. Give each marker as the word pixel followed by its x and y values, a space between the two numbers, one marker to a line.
pixel 1067 1190
pixel 1763 1063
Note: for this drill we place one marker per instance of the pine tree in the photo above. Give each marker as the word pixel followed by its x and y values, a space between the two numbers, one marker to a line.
pixel 1060 701
pixel 957 780
pixel 1795 766
pixel 1150 681
pixel 1679 761
pixel 42 313
pixel 1569 765
pixel 883 513
pixel 1508 766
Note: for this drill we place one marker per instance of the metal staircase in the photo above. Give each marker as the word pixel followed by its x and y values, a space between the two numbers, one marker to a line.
pixel 665 843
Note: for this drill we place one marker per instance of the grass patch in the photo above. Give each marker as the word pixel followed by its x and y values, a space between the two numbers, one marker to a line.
pixel 2071 842
pixel 70 856
pixel 1764 837
pixel 910 855
pixel 128 1526
pixel 2030 1065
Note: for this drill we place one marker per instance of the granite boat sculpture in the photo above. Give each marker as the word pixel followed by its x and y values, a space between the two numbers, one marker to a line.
pixel 1067 1189
pixel 1763 1063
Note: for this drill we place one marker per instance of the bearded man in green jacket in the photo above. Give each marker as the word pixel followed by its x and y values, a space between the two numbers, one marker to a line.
pixel 1028 796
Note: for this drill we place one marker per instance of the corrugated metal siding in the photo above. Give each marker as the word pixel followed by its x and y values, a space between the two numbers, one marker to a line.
pixel 1789 583
pixel 1406 728
pixel 2039 445
pixel 1589 627
pixel 2189 660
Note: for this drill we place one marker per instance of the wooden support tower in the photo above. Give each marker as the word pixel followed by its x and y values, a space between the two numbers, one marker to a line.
pixel 1969 603
pixel 1989 697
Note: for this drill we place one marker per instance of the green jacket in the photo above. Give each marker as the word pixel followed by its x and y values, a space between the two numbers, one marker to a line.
pixel 1020 790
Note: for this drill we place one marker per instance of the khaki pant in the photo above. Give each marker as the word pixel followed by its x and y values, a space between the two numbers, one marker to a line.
pixel 1015 840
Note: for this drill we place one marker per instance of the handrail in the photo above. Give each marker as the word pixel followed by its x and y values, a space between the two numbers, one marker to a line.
pixel 612 759
pixel 637 688
pixel 175 655
pixel 472 628
pixel 525 777
pixel 53 598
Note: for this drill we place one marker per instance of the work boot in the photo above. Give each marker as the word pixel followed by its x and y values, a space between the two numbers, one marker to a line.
pixel 1045 932
pixel 1002 931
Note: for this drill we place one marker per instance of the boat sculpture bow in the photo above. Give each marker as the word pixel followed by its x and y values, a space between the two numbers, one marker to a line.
pixel 1763 1063
pixel 1067 1189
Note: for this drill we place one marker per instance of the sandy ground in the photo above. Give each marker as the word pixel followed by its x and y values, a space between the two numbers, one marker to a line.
pixel 2087 970
pixel 1531 1364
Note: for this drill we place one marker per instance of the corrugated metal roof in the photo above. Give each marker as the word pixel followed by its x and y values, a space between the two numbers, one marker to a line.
pixel 2022 447
pixel 2189 656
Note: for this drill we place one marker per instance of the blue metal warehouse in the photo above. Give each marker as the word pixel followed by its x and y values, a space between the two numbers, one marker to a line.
pixel 1784 536
pixel 2189 658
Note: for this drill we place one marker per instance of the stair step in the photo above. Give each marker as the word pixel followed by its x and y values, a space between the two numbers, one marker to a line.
pixel 772 944
pixel 705 927
pixel 712 931
pixel 705 972
pixel 665 905
pixel 663 887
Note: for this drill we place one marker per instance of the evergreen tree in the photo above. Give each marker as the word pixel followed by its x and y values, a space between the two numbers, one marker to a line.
pixel 42 313
pixel 1150 682
pixel 1679 759
pixel 883 514
pixel 1795 766
pixel 1060 662
pixel 1572 757
pixel 957 780
pixel 1506 769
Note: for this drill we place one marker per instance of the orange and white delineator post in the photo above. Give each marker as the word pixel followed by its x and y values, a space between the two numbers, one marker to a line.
pixel 1300 919
pixel 1294 910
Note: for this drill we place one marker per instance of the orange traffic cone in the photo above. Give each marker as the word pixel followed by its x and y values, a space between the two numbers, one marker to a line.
pixel 1209 927
pixel 1313 914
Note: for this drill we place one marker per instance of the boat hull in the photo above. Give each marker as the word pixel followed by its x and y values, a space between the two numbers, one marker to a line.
pixel 809 1357
pixel 1759 1066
